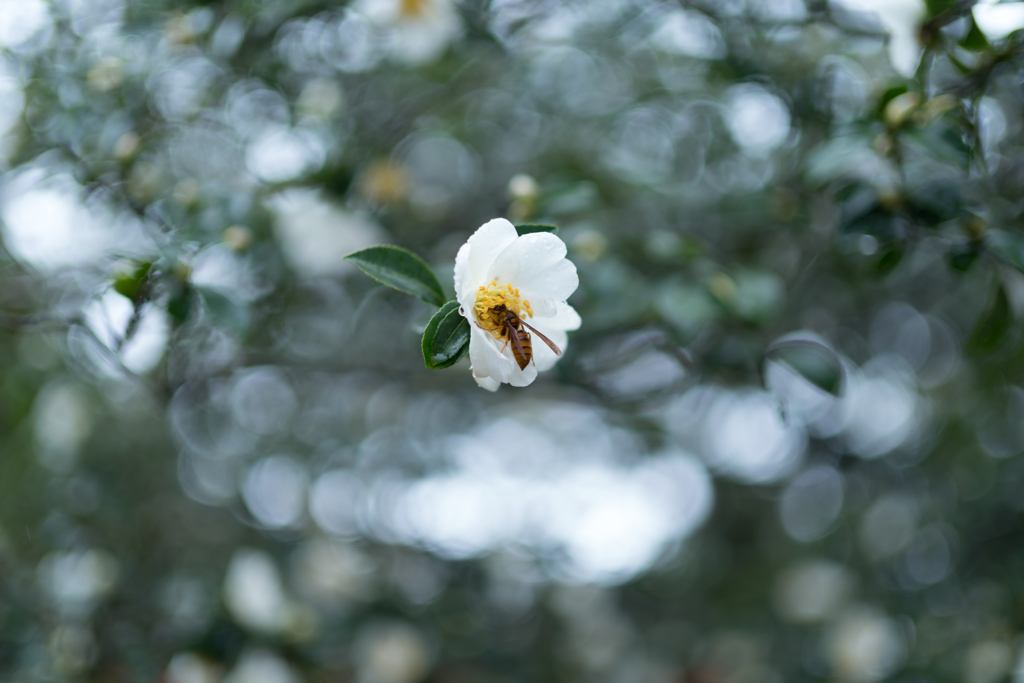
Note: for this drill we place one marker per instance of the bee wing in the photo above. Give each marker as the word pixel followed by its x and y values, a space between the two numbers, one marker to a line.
pixel 551 344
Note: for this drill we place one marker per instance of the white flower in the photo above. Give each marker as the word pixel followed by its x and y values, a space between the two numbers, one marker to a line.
pixel 997 21
pixel 902 19
pixel 532 278
pixel 418 31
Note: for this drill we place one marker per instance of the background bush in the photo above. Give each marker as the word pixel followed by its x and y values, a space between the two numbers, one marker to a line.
pixel 785 445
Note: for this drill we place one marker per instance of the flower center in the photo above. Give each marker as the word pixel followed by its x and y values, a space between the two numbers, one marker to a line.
pixel 491 297
pixel 412 9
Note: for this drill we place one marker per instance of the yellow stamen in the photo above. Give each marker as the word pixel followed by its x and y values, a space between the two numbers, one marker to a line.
pixel 494 295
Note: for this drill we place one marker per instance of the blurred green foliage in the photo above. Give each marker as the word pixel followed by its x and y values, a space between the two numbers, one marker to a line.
pixel 786 443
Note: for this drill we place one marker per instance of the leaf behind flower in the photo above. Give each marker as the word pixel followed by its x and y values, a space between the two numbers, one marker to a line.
pixel 532 228
pixel 446 338
pixel 399 269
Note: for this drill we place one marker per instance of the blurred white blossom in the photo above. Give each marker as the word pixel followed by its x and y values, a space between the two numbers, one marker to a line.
pixel 253 592
pixel 316 234
pixel 261 666
pixel 329 573
pixel 812 591
pixel 392 652
pixel 902 20
pixel 998 20
pixel 109 318
pixel 987 661
pixel 418 31
pixel 62 422
pixel 23 19
pixel 188 667
pixel 77 580
pixel 865 645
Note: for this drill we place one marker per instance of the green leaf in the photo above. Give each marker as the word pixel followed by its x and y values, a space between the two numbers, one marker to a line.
pixel 451 340
pixel 180 304
pixel 228 313
pixel 995 323
pixel 1008 245
pixel 133 285
pixel 963 68
pixel 838 156
pixel 527 229
pixel 127 286
pixel 446 338
pixel 861 213
pixel 962 256
pixel 933 202
pixel 891 257
pixel 936 7
pixel 943 142
pixel 878 222
pixel 399 269
pixel 812 360
pixel 975 39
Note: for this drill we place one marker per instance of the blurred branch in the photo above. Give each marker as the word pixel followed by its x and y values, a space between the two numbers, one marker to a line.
pixel 979 80
pixel 34 323
pixel 816 15
pixel 959 9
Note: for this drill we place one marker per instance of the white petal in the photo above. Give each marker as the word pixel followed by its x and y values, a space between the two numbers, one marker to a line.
pixel 998 21
pixel 905 51
pixel 543 356
pixel 488 383
pixel 522 378
pixel 536 266
pixel 554 328
pixel 465 295
pixel 488 359
pixel 493 359
pixel 482 354
pixel 565 318
pixel 476 256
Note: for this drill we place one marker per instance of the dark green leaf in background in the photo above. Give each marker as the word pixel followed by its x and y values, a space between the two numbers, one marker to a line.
pixel 891 257
pixel 874 220
pixel 1008 246
pixel 995 323
pixel 180 304
pixel 838 156
pixel 889 95
pixel 934 202
pixel 962 256
pixel 134 285
pixel 446 338
pixel 400 269
pixel 943 142
pixel 228 313
pixel 812 360
pixel 975 39
pixel 528 229
pixel 936 7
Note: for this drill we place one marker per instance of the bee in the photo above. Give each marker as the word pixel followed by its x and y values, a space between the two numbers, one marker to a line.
pixel 512 330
